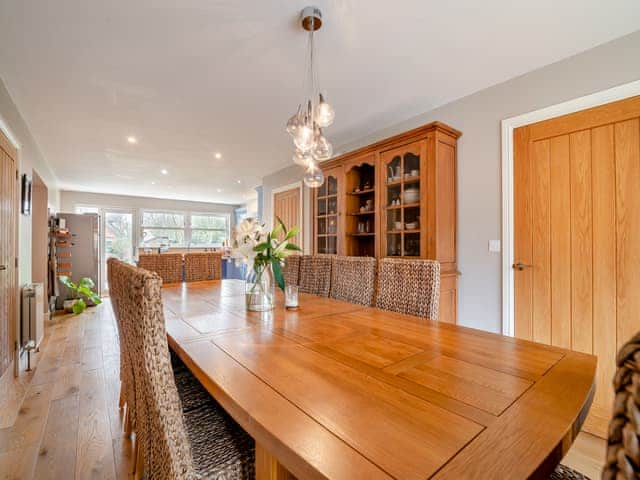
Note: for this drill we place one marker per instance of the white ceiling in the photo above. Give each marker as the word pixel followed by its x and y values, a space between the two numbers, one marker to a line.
pixel 192 77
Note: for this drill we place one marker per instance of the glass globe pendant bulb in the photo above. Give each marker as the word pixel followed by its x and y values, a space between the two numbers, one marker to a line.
pixel 301 158
pixel 314 177
pixel 304 138
pixel 325 113
pixel 295 121
pixel 322 150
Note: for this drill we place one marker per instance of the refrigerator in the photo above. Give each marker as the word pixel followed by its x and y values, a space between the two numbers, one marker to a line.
pixel 84 247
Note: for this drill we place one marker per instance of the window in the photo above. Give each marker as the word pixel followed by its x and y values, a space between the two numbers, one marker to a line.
pixel 178 229
pixel 163 228
pixel 209 230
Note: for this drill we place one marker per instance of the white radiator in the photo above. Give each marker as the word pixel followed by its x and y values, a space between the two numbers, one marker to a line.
pixel 32 324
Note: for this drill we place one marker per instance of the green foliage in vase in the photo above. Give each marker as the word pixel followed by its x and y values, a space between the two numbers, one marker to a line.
pixel 257 247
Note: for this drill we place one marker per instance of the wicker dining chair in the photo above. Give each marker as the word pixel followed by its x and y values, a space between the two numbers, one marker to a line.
pixel 353 279
pixel 291 270
pixel 167 265
pixel 623 443
pixel 315 274
pixel 409 286
pixel 199 266
pixel 200 442
pixel 562 472
pixel 117 287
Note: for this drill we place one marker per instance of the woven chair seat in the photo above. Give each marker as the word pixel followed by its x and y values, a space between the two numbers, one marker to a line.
pixel 192 394
pixel 221 449
pixel 563 472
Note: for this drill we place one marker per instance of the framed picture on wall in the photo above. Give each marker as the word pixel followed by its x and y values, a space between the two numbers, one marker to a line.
pixel 26 195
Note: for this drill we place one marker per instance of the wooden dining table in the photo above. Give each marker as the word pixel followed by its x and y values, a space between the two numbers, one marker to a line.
pixel 343 391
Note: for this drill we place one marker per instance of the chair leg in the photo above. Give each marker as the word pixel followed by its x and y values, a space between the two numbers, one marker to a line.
pixel 139 468
pixel 121 401
pixel 127 422
pixel 134 457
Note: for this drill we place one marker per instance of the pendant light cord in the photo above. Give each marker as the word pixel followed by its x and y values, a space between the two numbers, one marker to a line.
pixel 312 71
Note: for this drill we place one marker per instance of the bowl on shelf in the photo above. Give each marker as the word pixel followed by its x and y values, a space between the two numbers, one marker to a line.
pixel 398 225
pixel 411 195
pixel 411 226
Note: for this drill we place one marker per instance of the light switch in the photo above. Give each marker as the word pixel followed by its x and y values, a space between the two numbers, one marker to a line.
pixel 494 246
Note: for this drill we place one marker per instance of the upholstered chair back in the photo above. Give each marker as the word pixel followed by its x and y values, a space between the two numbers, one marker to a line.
pixel 117 285
pixel 623 443
pixel 353 279
pixel 200 266
pixel 409 286
pixel 160 424
pixel 291 270
pixel 167 265
pixel 315 274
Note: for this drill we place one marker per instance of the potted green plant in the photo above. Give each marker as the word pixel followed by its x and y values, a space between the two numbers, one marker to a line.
pixel 84 288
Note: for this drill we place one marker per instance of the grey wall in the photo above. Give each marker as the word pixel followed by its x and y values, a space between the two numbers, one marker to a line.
pixel 29 158
pixel 478 116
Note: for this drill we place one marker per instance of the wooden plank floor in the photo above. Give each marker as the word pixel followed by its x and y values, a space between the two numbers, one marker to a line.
pixel 61 420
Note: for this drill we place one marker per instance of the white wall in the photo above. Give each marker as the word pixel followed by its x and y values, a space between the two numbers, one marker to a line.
pixel 29 158
pixel 478 116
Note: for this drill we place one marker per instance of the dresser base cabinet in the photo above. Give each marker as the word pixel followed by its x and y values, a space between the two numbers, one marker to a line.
pixel 448 297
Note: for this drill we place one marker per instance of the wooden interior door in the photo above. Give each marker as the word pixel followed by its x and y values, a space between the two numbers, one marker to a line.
pixel 287 206
pixel 8 252
pixel 577 237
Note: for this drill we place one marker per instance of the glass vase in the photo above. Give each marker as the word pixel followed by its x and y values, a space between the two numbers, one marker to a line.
pixel 259 288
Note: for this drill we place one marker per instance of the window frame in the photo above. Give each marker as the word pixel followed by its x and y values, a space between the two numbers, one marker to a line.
pixel 187 229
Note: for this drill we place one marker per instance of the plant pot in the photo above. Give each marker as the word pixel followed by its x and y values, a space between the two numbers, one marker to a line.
pixel 68 305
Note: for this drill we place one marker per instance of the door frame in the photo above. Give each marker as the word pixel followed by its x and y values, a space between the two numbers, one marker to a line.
pixel 103 241
pixel 284 188
pixel 508 125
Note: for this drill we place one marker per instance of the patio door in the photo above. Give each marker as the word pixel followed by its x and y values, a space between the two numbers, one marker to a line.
pixel 117 238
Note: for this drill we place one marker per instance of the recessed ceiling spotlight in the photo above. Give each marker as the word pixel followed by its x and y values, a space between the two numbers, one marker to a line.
pixel 153 183
pixel 164 171
pixel 218 155
pixel 218 190
pixel 132 140
pixel 239 181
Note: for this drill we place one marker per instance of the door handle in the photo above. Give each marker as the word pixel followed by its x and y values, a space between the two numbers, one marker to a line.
pixel 521 266
pixel 3 267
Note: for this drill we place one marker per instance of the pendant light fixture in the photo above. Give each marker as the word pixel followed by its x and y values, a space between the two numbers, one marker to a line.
pixel 313 114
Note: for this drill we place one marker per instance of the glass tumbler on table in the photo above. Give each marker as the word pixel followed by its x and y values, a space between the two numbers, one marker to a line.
pixel 291 297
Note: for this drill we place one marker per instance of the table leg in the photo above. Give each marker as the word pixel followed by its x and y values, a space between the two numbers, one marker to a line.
pixel 268 467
